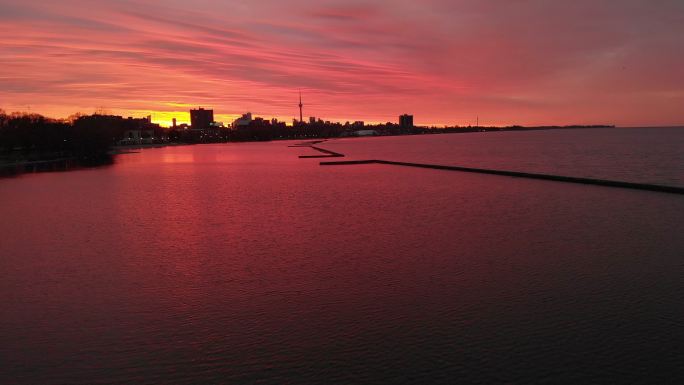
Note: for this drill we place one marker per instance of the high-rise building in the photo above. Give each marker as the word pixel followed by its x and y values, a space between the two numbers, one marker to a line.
pixel 201 118
pixel 406 121
pixel 243 121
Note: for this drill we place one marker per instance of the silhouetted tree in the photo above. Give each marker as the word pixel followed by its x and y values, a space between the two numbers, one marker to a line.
pixel 30 136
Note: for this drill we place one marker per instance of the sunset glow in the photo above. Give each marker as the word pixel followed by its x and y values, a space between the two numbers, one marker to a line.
pixel 445 61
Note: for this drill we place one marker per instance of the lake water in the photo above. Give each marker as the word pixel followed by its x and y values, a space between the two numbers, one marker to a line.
pixel 641 155
pixel 242 263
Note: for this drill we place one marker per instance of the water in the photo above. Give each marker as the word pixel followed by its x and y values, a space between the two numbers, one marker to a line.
pixel 641 155
pixel 241 263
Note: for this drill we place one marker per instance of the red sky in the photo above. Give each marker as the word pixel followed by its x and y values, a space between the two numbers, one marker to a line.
pixel 445 61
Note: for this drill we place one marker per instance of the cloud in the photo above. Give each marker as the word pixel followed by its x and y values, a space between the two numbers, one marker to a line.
pixel 346 13
pixel 523 61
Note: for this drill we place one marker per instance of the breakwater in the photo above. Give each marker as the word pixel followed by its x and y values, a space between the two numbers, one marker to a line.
pixel 557 178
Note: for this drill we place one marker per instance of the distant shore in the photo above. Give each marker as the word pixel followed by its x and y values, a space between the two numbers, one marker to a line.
pixel 16 159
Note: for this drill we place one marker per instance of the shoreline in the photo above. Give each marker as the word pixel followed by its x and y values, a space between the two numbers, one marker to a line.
pixel 130 148
pixel 133 148
pixel 36 162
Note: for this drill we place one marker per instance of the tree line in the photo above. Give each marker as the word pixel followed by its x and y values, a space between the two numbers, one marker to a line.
pixel 33 136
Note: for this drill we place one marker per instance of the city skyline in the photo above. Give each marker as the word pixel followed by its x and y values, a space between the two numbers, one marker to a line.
pixel 528 62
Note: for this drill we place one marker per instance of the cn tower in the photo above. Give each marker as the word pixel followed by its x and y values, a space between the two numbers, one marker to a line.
pixel 301 115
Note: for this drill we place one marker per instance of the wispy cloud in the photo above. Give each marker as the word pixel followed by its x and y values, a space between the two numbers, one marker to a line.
pixel 526 61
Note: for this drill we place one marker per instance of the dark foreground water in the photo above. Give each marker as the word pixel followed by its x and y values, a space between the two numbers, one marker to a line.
pixel 244 264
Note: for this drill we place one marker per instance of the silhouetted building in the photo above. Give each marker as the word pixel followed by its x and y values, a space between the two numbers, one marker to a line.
pixel 201 118
pixel 174 123
pixel 136 130
pixel 243 121
pixel 406 121
pixel 365 133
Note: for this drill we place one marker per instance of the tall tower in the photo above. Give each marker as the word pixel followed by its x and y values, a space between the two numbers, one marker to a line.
pixel 301 115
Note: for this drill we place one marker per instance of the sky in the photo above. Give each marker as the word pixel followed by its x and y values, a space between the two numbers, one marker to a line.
pixel 529 62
